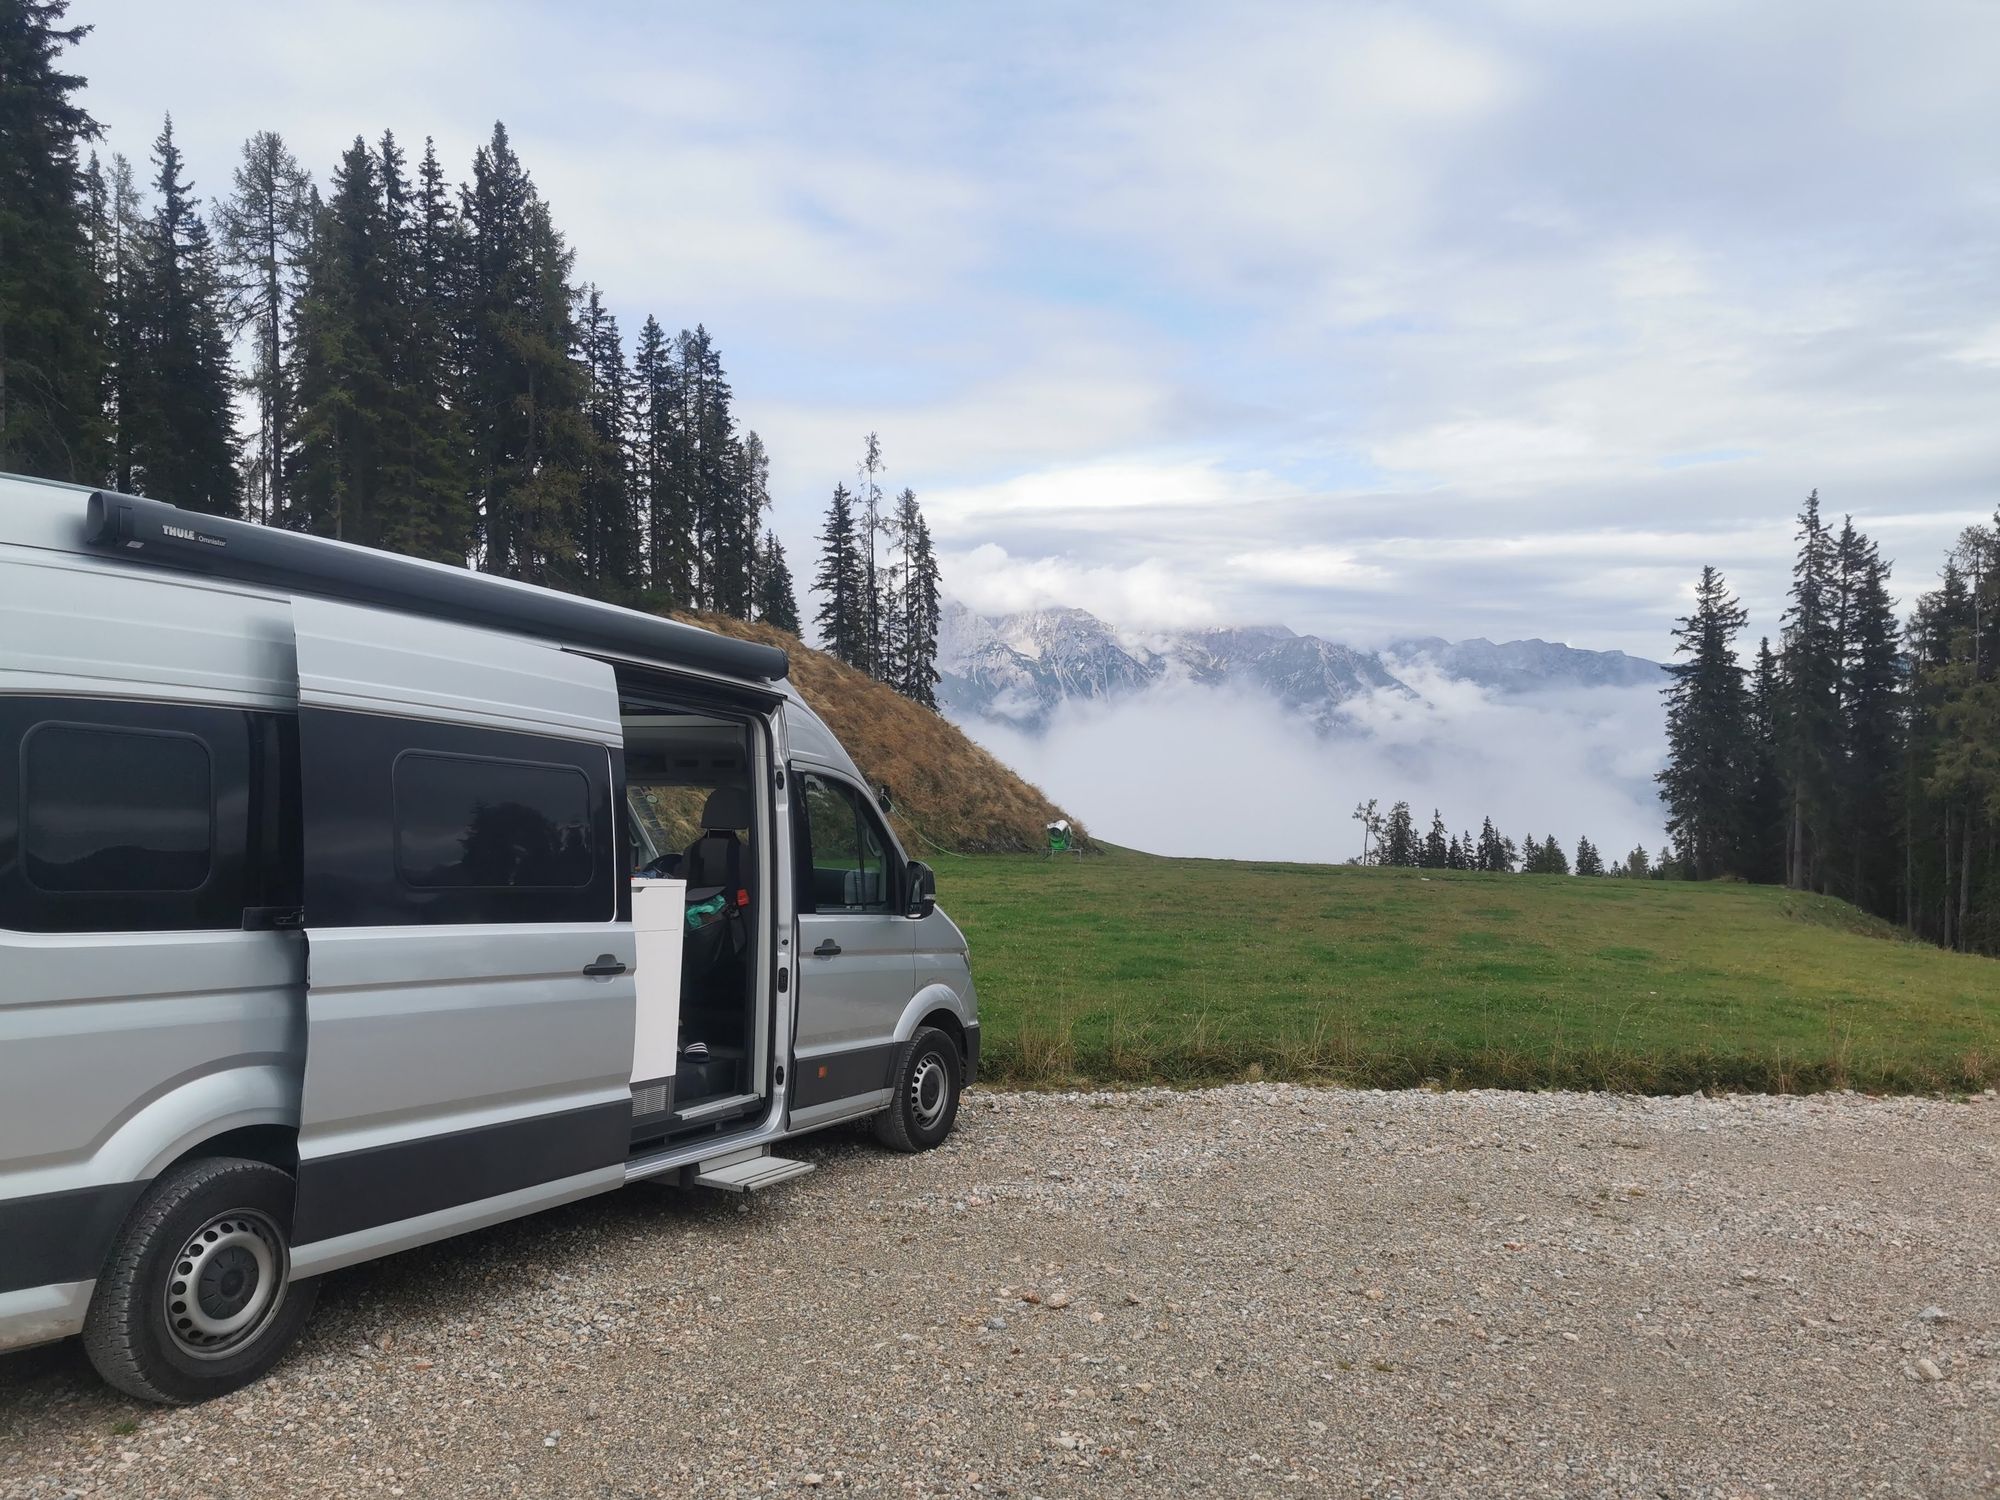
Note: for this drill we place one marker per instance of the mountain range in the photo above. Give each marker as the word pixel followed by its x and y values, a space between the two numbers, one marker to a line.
pixel 1019 668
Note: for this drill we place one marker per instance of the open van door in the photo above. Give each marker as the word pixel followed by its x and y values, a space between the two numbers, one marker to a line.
pixel 470 1001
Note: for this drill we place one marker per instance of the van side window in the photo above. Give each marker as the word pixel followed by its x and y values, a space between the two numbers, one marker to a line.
pixel 848 855
pixel 115 810
pixel 413 822
pixel 142 817
pixel 469 823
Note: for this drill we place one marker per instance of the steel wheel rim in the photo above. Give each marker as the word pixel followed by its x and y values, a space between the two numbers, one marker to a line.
pixel 930 1090
pixel 226 1284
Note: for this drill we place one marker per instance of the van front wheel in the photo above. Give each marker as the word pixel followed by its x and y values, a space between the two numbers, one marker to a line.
pixel 193 1301
pixel 929 1076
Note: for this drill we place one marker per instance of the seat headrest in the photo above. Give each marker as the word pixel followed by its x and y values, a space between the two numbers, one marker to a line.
pixel 728 809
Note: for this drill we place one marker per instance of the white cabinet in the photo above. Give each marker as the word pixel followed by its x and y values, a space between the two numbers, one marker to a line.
pixel 659 917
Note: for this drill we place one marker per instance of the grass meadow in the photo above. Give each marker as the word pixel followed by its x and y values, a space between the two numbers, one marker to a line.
pixel 1126 968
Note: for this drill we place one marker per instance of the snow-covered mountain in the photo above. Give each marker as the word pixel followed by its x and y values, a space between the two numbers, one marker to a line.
pixel 1020 668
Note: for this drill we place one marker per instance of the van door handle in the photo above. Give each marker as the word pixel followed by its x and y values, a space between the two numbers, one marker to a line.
pixel 607 964
pixel 826 949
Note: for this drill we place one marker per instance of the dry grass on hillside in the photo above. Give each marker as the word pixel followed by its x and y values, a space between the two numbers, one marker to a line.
pixel 949 794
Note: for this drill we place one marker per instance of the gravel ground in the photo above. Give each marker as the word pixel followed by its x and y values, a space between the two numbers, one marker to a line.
pixel 1252 1291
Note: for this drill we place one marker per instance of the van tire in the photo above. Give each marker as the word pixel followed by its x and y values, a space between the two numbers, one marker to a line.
pixel 929 1078
pixel 126 1332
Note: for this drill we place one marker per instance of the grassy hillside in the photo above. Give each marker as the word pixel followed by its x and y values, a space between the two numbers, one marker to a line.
pixel 1133 968
pixel 949 794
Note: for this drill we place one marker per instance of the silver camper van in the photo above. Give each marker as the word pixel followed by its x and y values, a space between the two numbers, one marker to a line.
pixel 348 902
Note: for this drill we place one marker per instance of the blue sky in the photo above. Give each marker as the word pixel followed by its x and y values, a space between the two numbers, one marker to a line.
pixel 1373 319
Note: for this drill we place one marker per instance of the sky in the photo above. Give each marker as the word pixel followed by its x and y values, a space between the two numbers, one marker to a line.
pixel 1368 319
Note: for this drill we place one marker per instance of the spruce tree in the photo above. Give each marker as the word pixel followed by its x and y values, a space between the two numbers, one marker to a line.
pixel 1400 844
pixel 523 389
pixel 907 638
pixel 1531 856
pixel 121 277
pixel 1588 860
pixel 1436 848
pixel 181 423
pixel 1809 758
pixel 777 605
pixel 1554 861
pixel 1708 730
pixel 265 230
pixel 1871 729
pixel 842 625
pixel 51 332
pixel 665 518
pixel 871 524
pixel 1761 846
pixel 606 546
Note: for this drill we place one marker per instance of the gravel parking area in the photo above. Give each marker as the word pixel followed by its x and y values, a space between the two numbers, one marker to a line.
pixel 1253 1290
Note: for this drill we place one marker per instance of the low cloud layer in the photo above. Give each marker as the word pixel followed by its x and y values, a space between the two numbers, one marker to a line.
pixel 1187 770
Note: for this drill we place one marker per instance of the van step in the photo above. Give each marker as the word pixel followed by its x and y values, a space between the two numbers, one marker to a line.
pixel 750 1174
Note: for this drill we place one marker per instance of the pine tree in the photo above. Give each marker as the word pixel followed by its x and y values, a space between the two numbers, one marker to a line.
pixel 1400 846
pixel 665 519
pixel 842 625
pixel 868 496
pixel 121 277
pixel 265 230
pixel 1436 848
pixel 1761 847
pixel 1708 722
pixel 181 421
pixel 1588 860
pixel 1531 856
pixel 1871 680
pixel 606 549
pixel 1491 858
pixel 907 637
pixel 1554 861
pixel 51 331
pixel 1454 854
pixel 777 605
pixel 523 389
pixel 346 385
pixel 1637 865
pixel 1810 755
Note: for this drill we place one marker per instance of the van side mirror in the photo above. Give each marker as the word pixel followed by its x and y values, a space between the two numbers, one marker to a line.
pixel 921 883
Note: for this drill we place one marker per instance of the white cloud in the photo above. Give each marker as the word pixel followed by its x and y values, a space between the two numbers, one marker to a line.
pixel 1142 593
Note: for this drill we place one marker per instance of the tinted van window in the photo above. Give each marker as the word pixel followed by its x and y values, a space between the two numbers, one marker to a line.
pixel 411 821
pixel 115 810
pixel 144 817
pixel 469 823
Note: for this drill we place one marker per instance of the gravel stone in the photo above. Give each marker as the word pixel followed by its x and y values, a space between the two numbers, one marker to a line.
pixel 1289 1291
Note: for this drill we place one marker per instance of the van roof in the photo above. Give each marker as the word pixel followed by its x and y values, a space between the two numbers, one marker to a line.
pixel 73 518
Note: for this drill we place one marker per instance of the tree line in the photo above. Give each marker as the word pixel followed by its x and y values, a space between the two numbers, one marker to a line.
pixel 418 368
pixel 1861 757
pixel 1392 838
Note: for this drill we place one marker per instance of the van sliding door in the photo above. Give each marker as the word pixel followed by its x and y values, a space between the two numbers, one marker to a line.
pixel 470 1002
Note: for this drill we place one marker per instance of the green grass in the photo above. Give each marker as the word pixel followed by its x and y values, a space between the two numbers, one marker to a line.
pixel 1131 969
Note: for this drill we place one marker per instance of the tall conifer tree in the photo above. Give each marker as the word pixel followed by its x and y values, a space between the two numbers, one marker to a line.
pixel 839 580
pixel 1708 723
pixel 182 421
pixel 51 334
pixel 265 228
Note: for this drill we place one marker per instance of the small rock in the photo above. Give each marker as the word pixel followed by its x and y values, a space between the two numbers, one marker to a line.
pixel 996 1323
pixel 1933 1315
pixel 1928 1370
pixel 812 1481
pixel 1059 1300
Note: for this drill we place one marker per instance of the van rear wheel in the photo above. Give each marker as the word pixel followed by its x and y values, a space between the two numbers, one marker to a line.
pixel 929 1077
pixel 193 1301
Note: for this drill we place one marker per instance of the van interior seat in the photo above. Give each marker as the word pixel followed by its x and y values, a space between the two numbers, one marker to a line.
pixel 718 855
